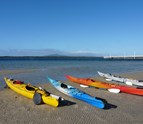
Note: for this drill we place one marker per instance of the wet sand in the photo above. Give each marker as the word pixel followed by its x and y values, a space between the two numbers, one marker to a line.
pixel 121 108
pixel 6 72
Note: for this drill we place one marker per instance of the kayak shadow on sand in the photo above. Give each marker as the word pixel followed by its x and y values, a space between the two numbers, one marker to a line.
pixel 107 105
pixel 66 103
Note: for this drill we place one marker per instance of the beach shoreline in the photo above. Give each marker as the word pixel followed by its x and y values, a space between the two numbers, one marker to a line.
pixel 123 108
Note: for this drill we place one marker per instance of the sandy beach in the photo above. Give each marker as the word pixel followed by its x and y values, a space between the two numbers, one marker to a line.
pixel 121 108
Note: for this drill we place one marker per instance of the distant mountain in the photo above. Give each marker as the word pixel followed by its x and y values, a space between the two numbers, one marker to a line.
pixel 54 55
pixel 49 57
pixel 46 52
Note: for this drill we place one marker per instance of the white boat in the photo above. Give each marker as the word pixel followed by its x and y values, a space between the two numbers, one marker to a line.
pixel 110 77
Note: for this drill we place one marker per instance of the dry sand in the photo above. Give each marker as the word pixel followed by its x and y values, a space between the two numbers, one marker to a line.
pixel 121 108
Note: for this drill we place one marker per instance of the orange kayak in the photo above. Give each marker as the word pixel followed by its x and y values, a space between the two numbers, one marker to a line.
pixel 107 86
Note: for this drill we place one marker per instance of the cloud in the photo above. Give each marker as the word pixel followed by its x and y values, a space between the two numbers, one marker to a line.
pixel 45 52
pixel 85 53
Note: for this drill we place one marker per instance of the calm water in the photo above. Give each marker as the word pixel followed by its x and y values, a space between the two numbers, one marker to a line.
pixel 58 68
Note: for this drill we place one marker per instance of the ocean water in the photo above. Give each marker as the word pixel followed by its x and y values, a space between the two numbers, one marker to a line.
pixel 58 68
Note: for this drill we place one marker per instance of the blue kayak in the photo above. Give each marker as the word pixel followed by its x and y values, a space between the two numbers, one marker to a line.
pixel 76 93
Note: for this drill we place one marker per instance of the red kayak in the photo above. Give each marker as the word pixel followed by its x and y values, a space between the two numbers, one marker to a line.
pixel 116 88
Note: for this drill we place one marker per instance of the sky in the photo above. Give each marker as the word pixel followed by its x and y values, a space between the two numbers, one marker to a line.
pixel 72 27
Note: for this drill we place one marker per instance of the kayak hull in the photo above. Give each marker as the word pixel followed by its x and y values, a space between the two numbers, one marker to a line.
pixel 29 91
pixel 122 80
pixel 75 93
pixel 104 85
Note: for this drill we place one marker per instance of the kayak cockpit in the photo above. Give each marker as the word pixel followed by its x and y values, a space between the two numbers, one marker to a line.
pixel 29 88
pixel 64 85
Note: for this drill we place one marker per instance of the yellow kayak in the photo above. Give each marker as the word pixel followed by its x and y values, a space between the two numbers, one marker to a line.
pixel 37 94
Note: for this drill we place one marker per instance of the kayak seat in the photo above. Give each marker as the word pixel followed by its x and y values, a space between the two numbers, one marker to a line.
pixel 18 82
pixel 92 80
pixel 140 87
pixel 64 85
pixel 88 79
pixel 11 79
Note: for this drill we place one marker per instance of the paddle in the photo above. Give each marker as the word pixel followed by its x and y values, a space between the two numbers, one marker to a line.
pixel 128 83
pixel 108 79
pixel 52 95
pixel 81 85
pixel 112 90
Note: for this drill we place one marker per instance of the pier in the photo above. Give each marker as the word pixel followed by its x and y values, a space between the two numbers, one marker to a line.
pixel 125 57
